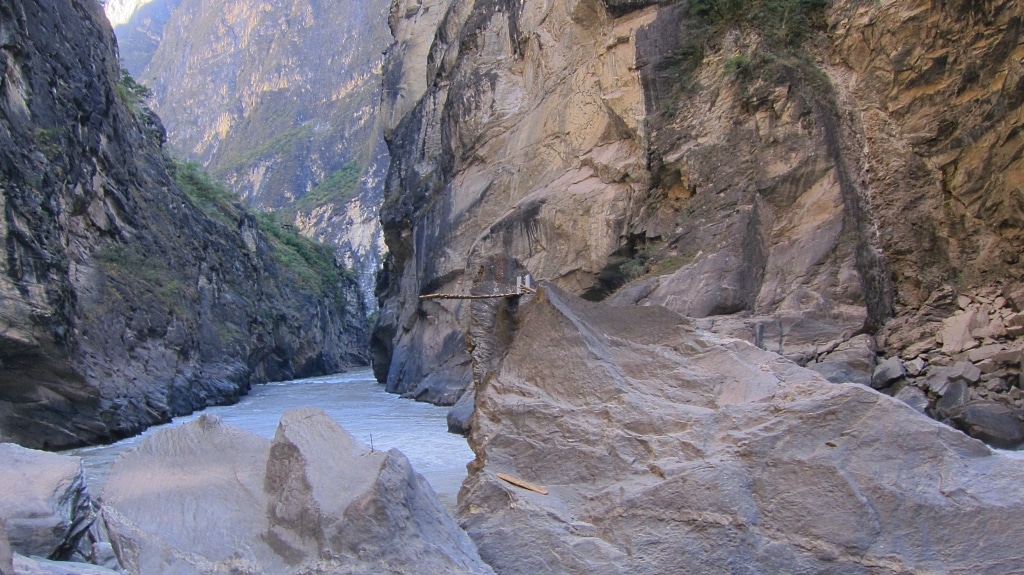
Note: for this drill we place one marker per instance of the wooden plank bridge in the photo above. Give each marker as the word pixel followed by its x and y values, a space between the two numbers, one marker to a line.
pixel 524 285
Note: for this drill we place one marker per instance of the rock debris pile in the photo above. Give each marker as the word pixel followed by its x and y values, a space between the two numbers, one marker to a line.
pixel 969 373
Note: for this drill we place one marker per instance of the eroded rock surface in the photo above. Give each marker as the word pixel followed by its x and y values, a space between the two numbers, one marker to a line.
pixel 207 498
pixel 666 447
pixel 815 201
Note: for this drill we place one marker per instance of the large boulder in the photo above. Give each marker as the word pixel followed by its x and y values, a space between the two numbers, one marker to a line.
pixel 207 498
pixel 666 449
pixel 44 502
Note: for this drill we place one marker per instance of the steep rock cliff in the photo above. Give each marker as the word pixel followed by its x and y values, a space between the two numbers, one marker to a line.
pixel 278 101
pixel 121 302
pixel 139 27
pixel 817 183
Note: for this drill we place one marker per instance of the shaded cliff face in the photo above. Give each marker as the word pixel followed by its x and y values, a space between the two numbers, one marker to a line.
pixel 122 302
pixel 278 101
pixel 804 189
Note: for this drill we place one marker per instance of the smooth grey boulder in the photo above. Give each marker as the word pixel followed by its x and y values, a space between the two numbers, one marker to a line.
pixel 190 500
pixel 957 394
pixel 666 449
pixel 44 502
pixel 206 498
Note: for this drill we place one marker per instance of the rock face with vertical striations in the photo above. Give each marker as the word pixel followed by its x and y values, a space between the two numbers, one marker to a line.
pixel 666 448
pixel 812 180
pixel 122 303
pixel 206 498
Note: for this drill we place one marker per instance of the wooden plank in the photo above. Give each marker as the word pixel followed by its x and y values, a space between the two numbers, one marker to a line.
pixel 460 296
pixel 520 483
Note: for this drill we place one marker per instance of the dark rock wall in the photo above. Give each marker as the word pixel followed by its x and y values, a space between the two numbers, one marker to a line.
pixel 121 304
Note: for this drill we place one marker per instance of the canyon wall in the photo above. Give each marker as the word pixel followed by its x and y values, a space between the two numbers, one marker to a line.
pixel 278 101
pixel 122 302
pixel 823 182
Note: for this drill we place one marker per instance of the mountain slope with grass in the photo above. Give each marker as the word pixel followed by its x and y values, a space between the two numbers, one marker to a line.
pixel 278 101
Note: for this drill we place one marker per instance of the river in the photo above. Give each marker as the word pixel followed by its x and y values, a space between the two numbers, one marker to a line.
pixel 353 399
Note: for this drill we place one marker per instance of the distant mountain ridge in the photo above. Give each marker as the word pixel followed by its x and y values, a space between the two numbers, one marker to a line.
pixel 278 100
pixel 139 26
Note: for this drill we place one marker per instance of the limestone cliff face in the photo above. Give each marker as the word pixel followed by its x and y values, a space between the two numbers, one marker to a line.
pixel 276 99
pixel 816 199
pixel 121 303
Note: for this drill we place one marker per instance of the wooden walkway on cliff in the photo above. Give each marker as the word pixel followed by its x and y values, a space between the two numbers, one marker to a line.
pixel 524 285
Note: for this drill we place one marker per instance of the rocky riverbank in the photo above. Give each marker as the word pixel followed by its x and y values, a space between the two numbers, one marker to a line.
pixel 647 445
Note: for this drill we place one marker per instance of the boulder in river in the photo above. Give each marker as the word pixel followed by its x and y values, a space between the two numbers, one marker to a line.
pixel 665 449
pixel 206 498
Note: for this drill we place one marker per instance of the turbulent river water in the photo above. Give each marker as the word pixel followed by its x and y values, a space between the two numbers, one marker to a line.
pixel 353 399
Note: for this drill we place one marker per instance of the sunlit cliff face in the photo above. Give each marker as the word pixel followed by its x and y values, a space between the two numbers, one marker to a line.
pixel 820 193
pixel 120 11
pixel 277 100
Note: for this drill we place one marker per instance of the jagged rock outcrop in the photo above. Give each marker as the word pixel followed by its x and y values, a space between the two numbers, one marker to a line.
pixel 45 503
pixel 277 100
pixel 666 448
pixel 48 519
pixel 208 498
pixel 121 302
pixel 807 186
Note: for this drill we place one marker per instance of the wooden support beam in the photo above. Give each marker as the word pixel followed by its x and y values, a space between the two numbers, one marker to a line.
pixel 465 296
pixel 524 285
pixel 520 483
